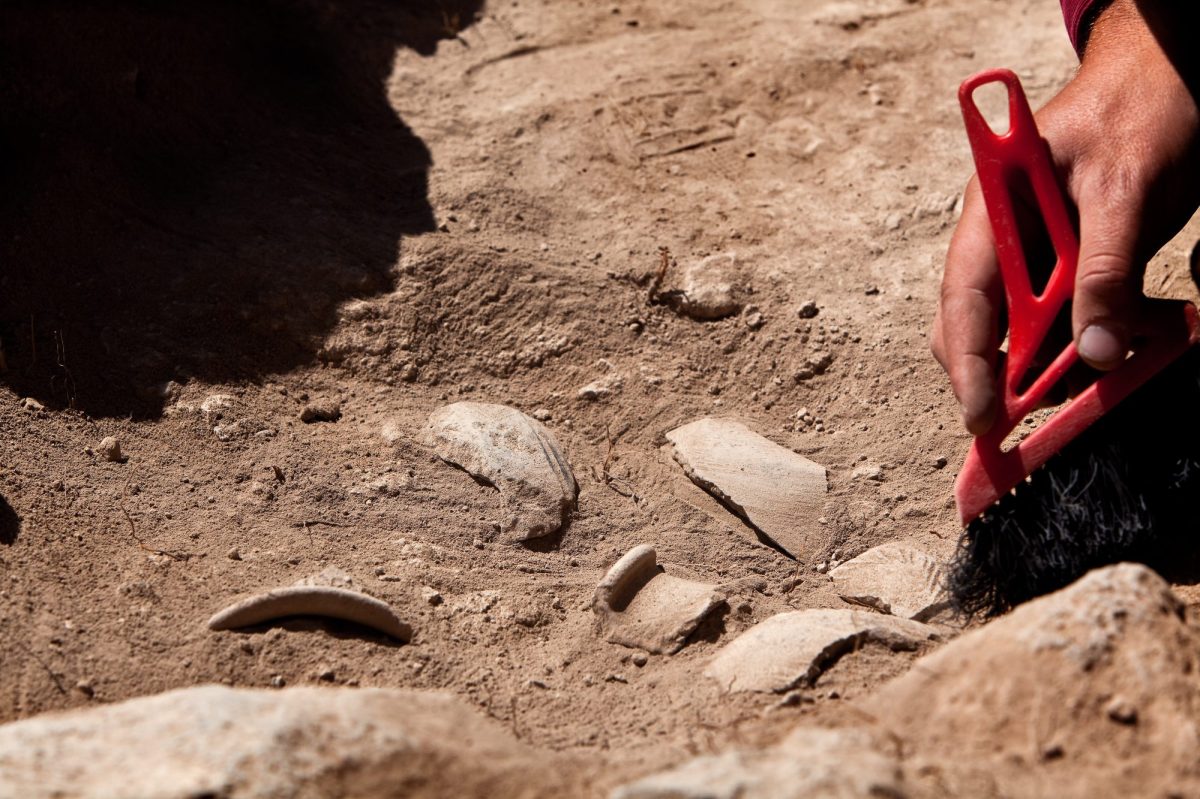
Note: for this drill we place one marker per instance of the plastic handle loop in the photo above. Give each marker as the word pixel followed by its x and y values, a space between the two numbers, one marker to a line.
pixel 990 472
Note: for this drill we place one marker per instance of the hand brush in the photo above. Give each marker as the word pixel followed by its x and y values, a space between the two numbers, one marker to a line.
pixel 1094 484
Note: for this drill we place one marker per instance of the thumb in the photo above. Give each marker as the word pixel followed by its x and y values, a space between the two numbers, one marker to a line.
pixel 1108 280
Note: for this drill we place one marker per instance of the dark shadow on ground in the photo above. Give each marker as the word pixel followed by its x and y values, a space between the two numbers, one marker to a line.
pixel 10 523
pixel 191 189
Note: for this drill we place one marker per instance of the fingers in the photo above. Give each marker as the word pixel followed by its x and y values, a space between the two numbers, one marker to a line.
pixel 965 332
pixel 1108 280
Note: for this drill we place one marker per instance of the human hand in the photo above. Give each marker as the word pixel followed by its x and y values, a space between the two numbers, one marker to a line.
pixel 1125 137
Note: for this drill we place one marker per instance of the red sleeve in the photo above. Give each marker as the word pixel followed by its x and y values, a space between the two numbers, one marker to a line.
pixel 1075 13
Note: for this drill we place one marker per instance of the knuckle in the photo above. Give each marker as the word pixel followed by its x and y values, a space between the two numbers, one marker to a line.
pixel 1103 272
pixel 1105 282
pixel 1118 184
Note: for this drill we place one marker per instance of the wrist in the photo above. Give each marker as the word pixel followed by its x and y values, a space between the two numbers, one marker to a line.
pixel 1079 24
pixel 1142 33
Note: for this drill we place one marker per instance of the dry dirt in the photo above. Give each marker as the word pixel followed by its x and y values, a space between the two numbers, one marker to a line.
pixel 394 207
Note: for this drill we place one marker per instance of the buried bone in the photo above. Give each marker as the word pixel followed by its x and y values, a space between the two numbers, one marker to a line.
pixel 639 606
pixel 514 453
pixel 794 649
pixel 893 578
pixel 779 493
pixel 313 600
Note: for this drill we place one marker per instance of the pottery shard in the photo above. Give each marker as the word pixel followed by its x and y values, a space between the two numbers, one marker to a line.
pixel 893 578
pixel 793 649
pixel 811 763
pixel 1044 680
pixel 711 288
pixel 217 741
pixel 776 491
pixel 514 453
pixel 640 606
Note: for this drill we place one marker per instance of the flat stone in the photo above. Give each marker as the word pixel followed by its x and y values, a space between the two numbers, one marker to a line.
pixel 776 491
pixel 811 763
pixel 893 578
pixel 794 649
pixel 217 741
pixel 1044 682
pixel 602 388
pixel 711 288
pixel 639 606
pixel 514 453
pixel 868 471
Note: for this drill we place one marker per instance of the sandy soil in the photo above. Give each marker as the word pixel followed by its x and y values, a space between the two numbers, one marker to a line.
pixel 372 204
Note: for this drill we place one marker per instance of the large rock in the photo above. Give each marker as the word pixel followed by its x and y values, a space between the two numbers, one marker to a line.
pixel 810 763
pixel 1090 691
pixel 639 606
pixel 776 491
pixel 893 578
pixel 793 649
pixel 514 453
pixel 299 742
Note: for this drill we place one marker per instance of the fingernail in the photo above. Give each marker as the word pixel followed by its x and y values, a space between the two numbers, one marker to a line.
pixel 1099 345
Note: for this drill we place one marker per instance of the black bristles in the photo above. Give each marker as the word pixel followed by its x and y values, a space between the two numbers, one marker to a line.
pixel 1128 489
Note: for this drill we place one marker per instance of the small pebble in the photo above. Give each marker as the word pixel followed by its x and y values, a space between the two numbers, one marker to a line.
pixel 278 682
pixel 639 659
pixel 32 405
pixel 871 291
pixel 85 687
pixel 807 310
pixel 940 462
pixel 542 415
pixel 321 411
pixel 432 596
pixel 1052 751
pixel 1122 711
pixel 234 554
pixel 110 448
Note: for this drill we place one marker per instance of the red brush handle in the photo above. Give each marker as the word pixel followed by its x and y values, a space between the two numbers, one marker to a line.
pixel 990 472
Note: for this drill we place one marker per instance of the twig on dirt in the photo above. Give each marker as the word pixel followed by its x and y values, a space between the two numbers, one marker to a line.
pixel 452 26
pixel 68 381
pixel 606 476
pixel 45 666
pixel 177 556
pixel 664 264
